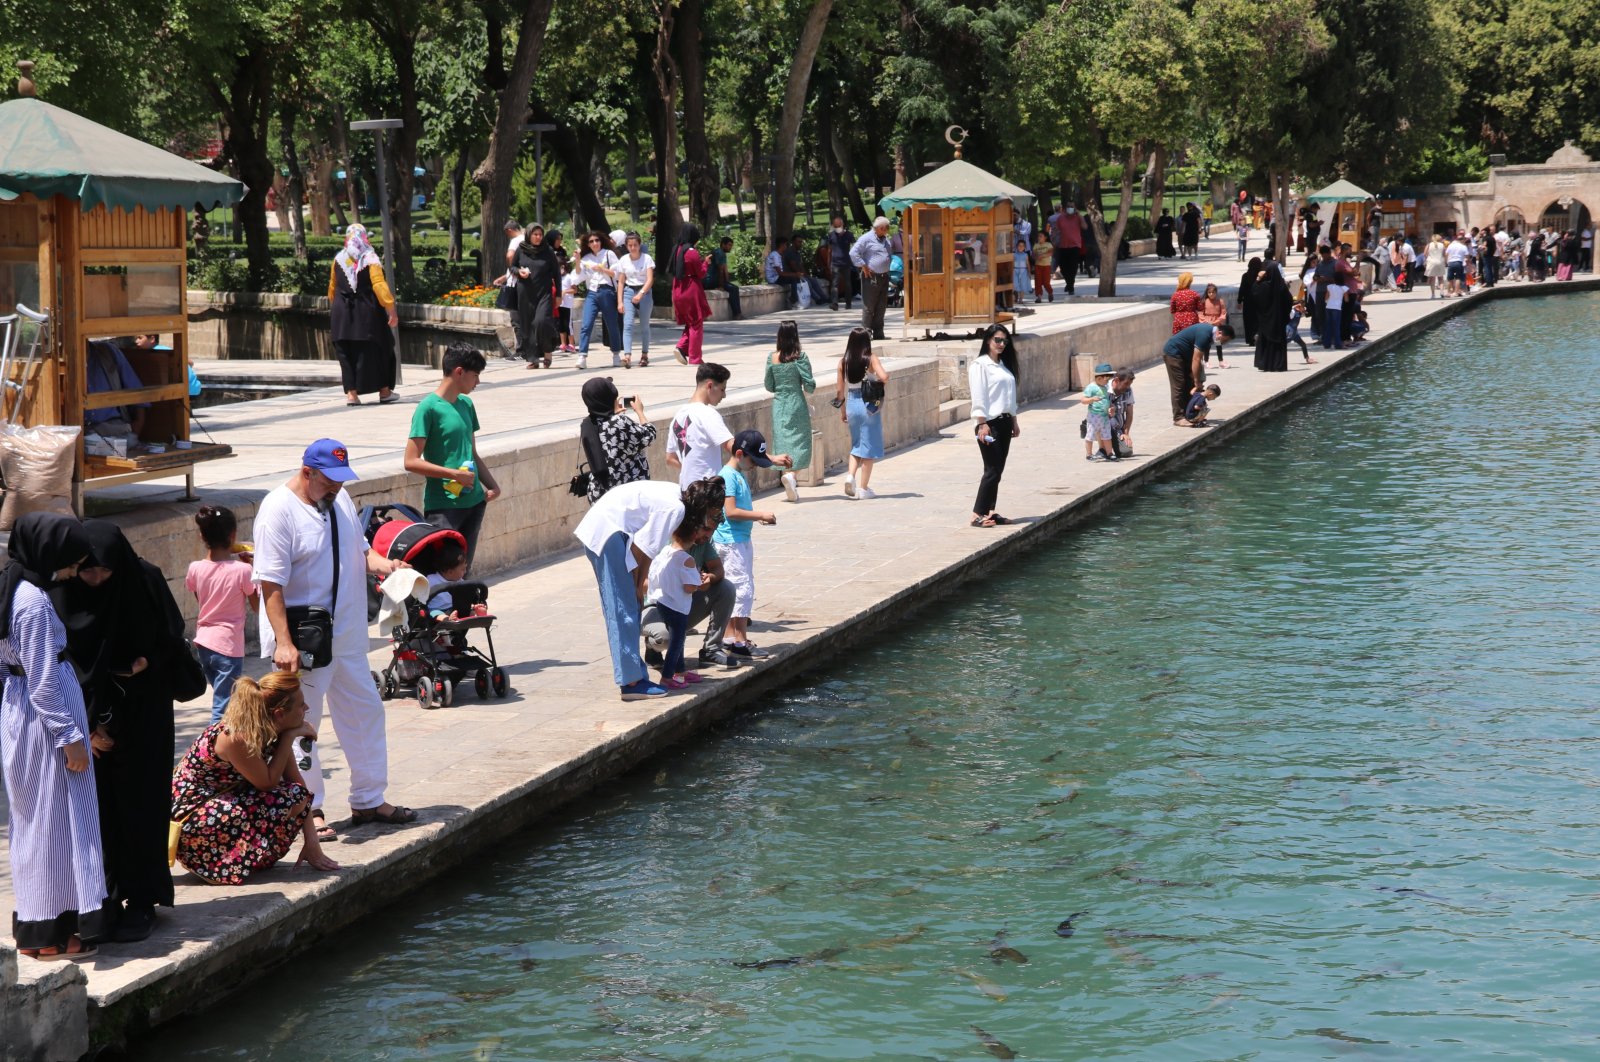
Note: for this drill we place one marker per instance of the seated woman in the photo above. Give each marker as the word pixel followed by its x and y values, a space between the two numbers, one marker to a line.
pixel 237 791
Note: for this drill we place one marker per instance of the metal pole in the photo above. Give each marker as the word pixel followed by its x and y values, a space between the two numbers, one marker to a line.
pixel 383 207
pixel 538 177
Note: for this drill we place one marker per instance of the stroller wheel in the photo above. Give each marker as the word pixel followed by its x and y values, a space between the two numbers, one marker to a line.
pixel 391 688
pixel 377 680
pixel 497 678
pixel 480 683
pixel 447 693
pixel 425 693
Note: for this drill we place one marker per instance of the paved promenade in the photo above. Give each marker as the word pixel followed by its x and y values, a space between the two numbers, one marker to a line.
pixel 828 568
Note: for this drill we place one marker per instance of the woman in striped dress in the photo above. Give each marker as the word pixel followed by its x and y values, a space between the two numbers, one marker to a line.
pixel 57 874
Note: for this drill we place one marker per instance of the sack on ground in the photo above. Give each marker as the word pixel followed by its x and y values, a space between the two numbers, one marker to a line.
pixel 36 468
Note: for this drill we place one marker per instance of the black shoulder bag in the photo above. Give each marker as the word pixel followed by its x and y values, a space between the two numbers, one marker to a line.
pixel 312 625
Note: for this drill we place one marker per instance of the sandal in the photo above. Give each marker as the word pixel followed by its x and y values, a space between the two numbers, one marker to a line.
pixel 385 400
pixel 982 521
pixel 397 816
pixel 997 518
pixel 547 360
pixel 644 361
pixel 324 831
pixel 69 953
pixel 352 401
pixel 627 362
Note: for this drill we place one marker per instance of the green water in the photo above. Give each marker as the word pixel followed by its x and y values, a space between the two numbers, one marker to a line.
pixel 1304 736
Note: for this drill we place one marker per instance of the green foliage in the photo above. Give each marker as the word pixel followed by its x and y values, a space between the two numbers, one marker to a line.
pixel 1452 157
pixel 1138 228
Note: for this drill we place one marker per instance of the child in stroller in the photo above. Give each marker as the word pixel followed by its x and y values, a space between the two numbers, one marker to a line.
pixel 431 654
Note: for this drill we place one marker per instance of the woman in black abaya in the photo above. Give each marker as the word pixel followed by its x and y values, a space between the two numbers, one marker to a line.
pixel 1165 226
pixel 124 632
pixel 1246 306
pixel 538 271
pixel 1270 297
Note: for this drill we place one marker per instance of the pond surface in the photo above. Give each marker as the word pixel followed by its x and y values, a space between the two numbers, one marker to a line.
pixel 1299 746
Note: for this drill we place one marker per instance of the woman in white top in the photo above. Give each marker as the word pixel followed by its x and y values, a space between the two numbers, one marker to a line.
pixel 1434 265
pixel 637 271
pixel 992 379
pixel 599 268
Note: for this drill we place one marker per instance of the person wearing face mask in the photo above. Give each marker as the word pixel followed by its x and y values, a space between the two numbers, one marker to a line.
pixel 310 552
pixel 1066 232
pixel 57 874
pixel 838 241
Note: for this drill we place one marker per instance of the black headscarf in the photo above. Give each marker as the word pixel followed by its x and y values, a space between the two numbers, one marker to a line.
pixel 600 397
pixel 1247 281
pixel 1272 302
pixel 41 545
pixel 688 236
pixel 111 625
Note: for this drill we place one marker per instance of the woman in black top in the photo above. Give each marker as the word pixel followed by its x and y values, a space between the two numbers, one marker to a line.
pixel 363 320
pixel 614 443
pixel 124 634
pixel 538 271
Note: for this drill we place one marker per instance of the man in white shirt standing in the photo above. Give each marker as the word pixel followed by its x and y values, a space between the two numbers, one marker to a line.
pixel 310 552
pixel 507 299
pixel 698 441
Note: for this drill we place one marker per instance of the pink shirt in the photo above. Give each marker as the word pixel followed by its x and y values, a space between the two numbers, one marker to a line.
pixel 222 588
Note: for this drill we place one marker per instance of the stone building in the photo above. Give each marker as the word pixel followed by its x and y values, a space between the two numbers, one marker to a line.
pixel 1558 193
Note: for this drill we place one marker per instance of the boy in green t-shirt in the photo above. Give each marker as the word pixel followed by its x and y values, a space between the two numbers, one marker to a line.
pixel 441 447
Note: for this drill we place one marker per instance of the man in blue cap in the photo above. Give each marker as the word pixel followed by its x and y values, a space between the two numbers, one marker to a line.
pixel 310 555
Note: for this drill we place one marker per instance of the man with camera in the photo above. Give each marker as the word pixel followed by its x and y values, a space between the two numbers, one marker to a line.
pixel 312 563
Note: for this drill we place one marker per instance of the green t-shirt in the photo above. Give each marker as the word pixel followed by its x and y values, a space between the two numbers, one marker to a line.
pixel 446 429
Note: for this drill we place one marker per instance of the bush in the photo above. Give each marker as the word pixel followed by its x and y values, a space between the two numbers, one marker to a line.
pixel 1138 229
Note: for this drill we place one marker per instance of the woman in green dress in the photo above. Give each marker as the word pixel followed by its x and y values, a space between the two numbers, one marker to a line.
pixel 790 381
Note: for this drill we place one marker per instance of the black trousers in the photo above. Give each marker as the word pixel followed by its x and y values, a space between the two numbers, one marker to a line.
pixel 994 455
pixel 1182 382
pixel 468 521
pixel 1067 259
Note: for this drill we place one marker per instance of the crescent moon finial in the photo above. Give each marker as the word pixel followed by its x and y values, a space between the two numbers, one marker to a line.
pixel 953 140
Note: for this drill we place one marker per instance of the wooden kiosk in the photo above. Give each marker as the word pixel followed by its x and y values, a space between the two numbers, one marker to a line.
pixel 1352 205
pixel 93 233
pixel 958 226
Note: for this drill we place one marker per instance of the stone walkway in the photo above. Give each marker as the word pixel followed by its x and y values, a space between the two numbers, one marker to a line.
pixel 474 768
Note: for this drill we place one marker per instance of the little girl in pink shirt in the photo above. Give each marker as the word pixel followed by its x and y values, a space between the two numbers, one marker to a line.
pixel 224 585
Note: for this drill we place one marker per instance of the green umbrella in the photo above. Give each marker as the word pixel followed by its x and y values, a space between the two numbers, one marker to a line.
pixel 1339 192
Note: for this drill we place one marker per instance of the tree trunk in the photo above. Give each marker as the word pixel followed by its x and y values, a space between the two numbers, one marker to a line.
pixel 245 107
pixel 576 151
pixel 830 164
pixel 341 145
pixel 699 170
pixel 458 183
pixel 1108 240
pixel 296 183
pixel 402 154
pixel 662 109
pixel 493 175
pixel 318 189
pixel 1158 180
pixel 1280 217
pixel 758 182
pixel 794 107
pixel 847 178
pixel 631 174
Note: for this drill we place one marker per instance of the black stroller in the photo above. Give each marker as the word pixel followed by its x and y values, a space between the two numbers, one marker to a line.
pixel 432 657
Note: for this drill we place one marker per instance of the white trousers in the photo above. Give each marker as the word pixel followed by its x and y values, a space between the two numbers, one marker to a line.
pixel 357 714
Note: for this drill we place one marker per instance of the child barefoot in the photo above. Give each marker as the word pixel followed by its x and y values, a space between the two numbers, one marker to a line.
pixel 224 586
pixel 674 578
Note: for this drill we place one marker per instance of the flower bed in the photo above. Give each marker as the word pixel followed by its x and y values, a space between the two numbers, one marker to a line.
pixel 477 295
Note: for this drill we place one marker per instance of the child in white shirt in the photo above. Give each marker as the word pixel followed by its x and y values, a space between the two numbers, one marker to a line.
pixel 674 578
pixel 570 283
pixel 1333 316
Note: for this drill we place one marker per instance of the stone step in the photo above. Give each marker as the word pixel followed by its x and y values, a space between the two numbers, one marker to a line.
pixel 954 411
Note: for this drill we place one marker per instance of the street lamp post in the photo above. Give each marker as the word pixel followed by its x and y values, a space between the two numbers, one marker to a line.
pixel 538 129
pixel 379 127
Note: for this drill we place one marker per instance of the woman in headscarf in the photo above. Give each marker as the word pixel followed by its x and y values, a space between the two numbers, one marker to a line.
pixel 690 307
pixel 614 443
pixel 363 317
pixel 1185 304
pixel 1165 226
pixel 124 634
pixel 57 875
pixel 1246 307
pixel 1272 301
pixel 1189 231
pixel 538 271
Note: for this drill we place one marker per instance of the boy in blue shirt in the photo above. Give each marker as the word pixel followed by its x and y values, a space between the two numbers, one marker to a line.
pixel 1199 406
pixel 732 539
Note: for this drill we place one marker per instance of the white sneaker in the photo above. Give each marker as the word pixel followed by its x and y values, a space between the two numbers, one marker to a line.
pixel 790 488
pixel 849 486
pixel 866 493
pixel 583 361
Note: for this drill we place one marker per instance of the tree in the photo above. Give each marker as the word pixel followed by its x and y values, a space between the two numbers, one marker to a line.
pixel 493 175
pixel 794 105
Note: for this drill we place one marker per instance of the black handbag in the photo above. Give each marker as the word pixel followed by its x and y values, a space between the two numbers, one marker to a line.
pixel 872 390
pixel 579 487
pixel 188 679
pixel 506 299
pixel 312 625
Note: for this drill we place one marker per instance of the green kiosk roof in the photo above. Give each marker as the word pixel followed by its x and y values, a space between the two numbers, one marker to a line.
pixel 49 151
pixel 956 185
pixel 1339 192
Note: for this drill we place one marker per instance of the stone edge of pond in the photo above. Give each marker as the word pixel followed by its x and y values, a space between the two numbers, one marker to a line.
pixel 282 928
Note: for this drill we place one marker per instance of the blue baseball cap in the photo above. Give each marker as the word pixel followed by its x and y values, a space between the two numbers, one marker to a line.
pixel 329 457
pixel 754 446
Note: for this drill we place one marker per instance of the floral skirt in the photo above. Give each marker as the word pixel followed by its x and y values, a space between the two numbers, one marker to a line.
pixel 230 837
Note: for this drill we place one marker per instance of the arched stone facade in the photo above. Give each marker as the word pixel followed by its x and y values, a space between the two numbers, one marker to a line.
pixel 1563 191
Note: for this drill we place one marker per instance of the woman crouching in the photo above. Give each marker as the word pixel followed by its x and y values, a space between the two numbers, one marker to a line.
pixel 237 791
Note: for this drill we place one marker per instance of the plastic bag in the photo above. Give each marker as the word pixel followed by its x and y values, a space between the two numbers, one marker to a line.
pixel 36 466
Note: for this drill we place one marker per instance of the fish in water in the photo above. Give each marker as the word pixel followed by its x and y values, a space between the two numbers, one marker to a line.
pixel 1069 798
pixel 1002 953
pixel 984 985
pixel 528 965
pixel 774 890
pixel 1344 1037
pixel 1125 953
pixel 1065 929
pixel 770 964
pixel 714 886
pixel 990 827
pixel 1052 757
pixel 992 1045
pixel 1166 883
pixel 1183 979
pixel 1409 892
pixel 916 741
pixel 1153 694
pixel 1126 934
pixel 895 941
pixel 484 996
pixel 700 999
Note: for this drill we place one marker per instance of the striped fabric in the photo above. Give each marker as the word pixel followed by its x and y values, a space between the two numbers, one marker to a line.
pixel 56 865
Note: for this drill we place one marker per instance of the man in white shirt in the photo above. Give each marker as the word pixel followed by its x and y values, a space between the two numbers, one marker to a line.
pixel 507 299
pixel 622 533
pixel 698 440
pixel 1456 254
pixel 310 551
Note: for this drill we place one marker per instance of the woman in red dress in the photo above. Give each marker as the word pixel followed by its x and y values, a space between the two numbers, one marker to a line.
pixel 690 307
pixel 1185 304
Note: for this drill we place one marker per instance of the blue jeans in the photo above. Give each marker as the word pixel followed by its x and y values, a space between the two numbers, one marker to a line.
pixel 604 303
pixel 1331 322
pixel 732 291
pixel 222 672
pixel 619 604
pixel 677 629
pixel 647 303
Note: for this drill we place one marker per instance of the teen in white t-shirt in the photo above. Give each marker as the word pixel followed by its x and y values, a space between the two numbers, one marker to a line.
pixel 698 441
